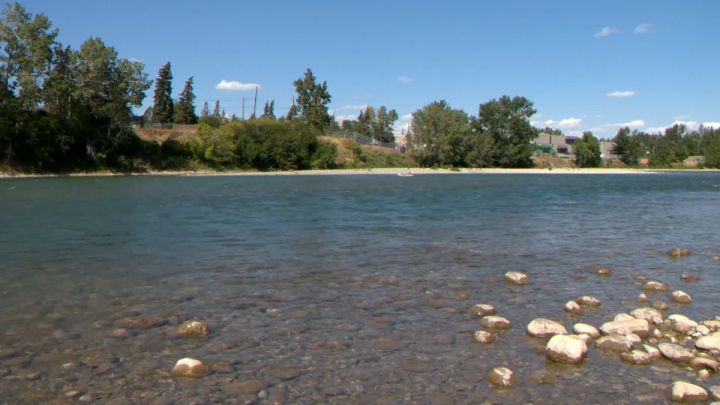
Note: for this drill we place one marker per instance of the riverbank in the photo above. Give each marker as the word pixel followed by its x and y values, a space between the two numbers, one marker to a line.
pixel 376 171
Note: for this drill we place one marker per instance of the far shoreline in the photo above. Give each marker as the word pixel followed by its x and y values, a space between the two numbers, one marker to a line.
pixel 343 172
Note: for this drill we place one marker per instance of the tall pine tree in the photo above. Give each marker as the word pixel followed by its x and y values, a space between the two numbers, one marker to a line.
pixel 185 112
pixel 163 107
pixel 269 110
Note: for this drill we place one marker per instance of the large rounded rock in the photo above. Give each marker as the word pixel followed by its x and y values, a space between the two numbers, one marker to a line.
pixel 481 310
pixel 188 367
pixel 573 308
pixel 682 391
pixel 681 297
pixel 495 322
pixel 655 286
pixel 195 329
pixel 648 314
pixel 585 329
pixel 516 277
pixel 623 317
pixel 675 352
pixel 541 327
pixel 639 327
pixel 709 342
pixel 615 342
pixel 704 362
pixel 681 323
pixel 566 349
pixel 502 377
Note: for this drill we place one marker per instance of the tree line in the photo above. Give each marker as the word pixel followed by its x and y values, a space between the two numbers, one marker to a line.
pixel 671 148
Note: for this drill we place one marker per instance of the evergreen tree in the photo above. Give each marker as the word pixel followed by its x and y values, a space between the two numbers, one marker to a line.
pixel 313 99
pixel 269 110
pixel 185 113
pixel 163 107
pixel 205 112
pixel 216 109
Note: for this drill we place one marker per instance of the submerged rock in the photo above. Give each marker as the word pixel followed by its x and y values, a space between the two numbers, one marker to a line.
pixel 615 342
pixel 682 391
pixel 642 298
pixel 681 297
pixel 495 322
pixel 516 277
pixel 603 271
pixel 681 323
pixel 704 362
pixel 648 314
pixel 637 357
pixel 138 322
pixel 502 377
pixel 585 329
pixel 676 352
pixel 689 277
pixel 639 327
pixel 623 317
pixel 566 349
pixel 653 351
pixel 188 367
pixel 195 329
pixel 541 327
pixel 677 253
pixel 660 305
pixel 588 301
pixel 573 308
pixel 655 286
pixel 481 310
pixel 481 336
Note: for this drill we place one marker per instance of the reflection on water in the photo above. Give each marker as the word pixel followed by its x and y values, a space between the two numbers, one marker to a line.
pixel 347 289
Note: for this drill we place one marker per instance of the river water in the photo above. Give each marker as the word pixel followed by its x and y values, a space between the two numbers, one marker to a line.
pixel 338 289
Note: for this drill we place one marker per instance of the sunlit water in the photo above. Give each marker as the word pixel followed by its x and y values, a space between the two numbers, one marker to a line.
pixel 344 289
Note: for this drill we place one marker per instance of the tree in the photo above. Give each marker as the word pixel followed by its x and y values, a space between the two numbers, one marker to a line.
pixel 205 112
pixel 26 54
pixel 216 109
pixel 627 147
pixel 269 110
pixel 674 140
pixel 313 99
pixel 163 106
pixel 507 121
pixel 185 111
pixel 711 146
pixel 375 123
pixel 439 135
pixel 587 151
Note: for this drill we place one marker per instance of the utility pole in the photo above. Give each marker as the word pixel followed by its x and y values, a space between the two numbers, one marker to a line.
pixel 243 108
pixel 255 105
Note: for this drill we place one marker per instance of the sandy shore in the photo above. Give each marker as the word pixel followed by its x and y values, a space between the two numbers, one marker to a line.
pixel 380 171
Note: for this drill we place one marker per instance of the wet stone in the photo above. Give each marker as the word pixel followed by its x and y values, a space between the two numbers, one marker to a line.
pixel 637 357
pixel 677 253
pixel 649 314
pixel 120 333
pixel 285 373
pixel 461 296
pixel 709 342
pixel 137 322
pixel 642 298
pixel 640 327
pixel 588 301
pixel 681 297
pixel 682 391
pixel 481 336
pixel 681 323
pixel 245 387
pixel 689 278
pixel 516 278
pixel 388 343
pixel 481 310
pixel 541 327
pixel 221 367
pixel 542 377
pixel 615 342
pixel 586 329
pixel 705 362
pixel 660 305
pixel 675 352
pixel 501 377
pixel 655 286
pixel 603 271
pixel 193 329
pixel 566 349
pixel 573 308
pixel 188 367
pixel 495 322
pixel 715 392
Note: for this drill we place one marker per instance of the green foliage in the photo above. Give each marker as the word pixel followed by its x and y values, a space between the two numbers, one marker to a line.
pixel 439 135
pixel 185 110
pixel 711 146
pixel 163 107
pixel 313 99
pixel 587 151
pixel 374 123
pixel 627 147
pixel 269 110
pixel 325 156
pixel 507 121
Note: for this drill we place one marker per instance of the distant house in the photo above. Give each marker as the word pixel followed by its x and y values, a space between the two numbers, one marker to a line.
pixel 607 150
pixel 557 145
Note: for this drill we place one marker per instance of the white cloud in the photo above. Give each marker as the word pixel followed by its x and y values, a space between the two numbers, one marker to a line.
pixel 405 79
pixel 236 86
pixel 626 93
pixel 565 123
pixel 712 124
pixel 403 124
pixel 689 124
pixel 348 117
pixel 618 125
pixel 643 28
pixel 353 107
pixel 605 31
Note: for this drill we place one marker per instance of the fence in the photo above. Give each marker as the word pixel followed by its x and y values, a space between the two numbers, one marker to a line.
pixel 361 139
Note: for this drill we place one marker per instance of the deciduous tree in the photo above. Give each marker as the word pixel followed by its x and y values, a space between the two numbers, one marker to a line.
pixel 313 99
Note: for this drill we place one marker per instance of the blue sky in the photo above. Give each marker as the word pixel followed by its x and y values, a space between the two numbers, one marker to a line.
pixel 586 65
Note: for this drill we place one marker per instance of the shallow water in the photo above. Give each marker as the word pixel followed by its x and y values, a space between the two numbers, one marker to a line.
pixel 337 289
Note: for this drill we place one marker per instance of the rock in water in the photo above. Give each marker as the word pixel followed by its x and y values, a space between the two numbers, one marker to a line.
pixel 573 308
pixel 676 352
pixel 195 329
pixel 495 322
pixel 682 391
pixel 481 336
pixel 616 343
pixel 588 301
pixel 137 322
pixel 648 314
pixel 639 327
pixel 682 324
pixel 677 253
pixel 709 342
pixel 585 329
pixel 541 327
pixel 566 349
pixel 481 310
pixel 188 367
pixel 681 297
pixel 655 286
pixel 502 377
pixel 637 357
pixel 516 277
pixel 642 297
pixel 603 271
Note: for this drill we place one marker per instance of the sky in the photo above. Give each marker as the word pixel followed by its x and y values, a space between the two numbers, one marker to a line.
pixel 586 66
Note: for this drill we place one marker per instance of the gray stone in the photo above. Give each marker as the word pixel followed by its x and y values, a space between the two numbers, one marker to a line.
pixel 676 352
pixel 682 391
pixel 637 357
pixel 639 327
pixel 648 314
pixel 573 308
pixel 516 277
pixel 495 322
pixel 709 342
pixel 502 377
pixel 541 327
pixel 566 349
pixel 680 297
pixel 615 342
pixel 584 328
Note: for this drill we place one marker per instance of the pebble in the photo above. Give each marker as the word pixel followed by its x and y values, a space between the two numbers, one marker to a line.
pixel 188 367
pixel 615 342
pixel 481 310
pixel 681 323
pixel 588 301
pixel 689 278
pixel 501 377
pixel 681 297
pixel 649 314
pixel 637 357
pixel 660 305
pixel 642 298
pixel 120 333
pixel 715 392
pixel 516 277
pixel 677 253
pixel 481 336
pixel 655 286
pixel 603 271
pixel 137 322
pixel 192 328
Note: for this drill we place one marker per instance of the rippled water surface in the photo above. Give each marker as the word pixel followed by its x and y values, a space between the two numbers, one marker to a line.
pixel 337 289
